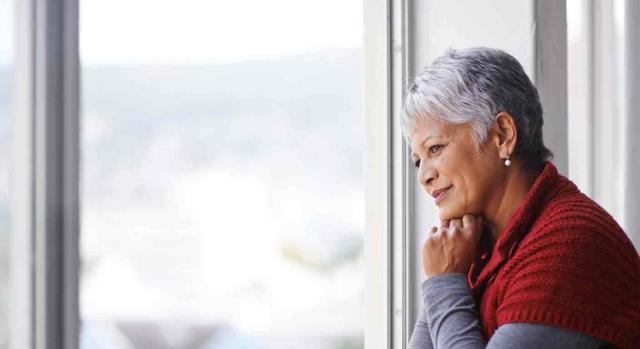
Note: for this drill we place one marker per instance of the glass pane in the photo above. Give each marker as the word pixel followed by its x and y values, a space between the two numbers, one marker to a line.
pixel 6 58
pixel 222 189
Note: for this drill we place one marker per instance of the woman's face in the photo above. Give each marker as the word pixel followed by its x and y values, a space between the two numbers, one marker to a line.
pixel 464 179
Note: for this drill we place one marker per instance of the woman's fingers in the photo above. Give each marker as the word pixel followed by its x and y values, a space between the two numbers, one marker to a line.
pixel 451 247
pixel 468 221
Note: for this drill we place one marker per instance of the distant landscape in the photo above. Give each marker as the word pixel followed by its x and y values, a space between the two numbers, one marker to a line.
pixel 186 168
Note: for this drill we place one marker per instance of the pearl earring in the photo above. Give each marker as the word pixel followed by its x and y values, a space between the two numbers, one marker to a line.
pixel 507 162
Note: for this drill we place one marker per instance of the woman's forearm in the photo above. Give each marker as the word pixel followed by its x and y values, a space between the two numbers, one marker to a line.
pixel 450 308
pixel 421 338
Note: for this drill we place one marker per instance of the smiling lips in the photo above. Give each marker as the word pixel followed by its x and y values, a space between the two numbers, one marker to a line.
pixel 440 194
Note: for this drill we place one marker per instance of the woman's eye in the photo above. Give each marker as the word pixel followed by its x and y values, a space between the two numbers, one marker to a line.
pixel 417 163
pixel 435 148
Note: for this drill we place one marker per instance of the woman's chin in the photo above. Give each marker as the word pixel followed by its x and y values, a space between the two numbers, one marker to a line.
pixel 446 213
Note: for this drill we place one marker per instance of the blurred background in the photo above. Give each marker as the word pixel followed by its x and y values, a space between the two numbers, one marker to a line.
pixel 215 211
pixel 222 160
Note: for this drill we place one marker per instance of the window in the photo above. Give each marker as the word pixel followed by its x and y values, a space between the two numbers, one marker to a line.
pixel 222 174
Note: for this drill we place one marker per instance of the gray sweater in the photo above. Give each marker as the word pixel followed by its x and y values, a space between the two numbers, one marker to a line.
pixel 449 320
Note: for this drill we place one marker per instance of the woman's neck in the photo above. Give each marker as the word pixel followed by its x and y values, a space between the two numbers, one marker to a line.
pixel 518 183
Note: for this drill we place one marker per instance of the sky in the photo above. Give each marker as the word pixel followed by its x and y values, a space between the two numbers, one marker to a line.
pixel 204 31
pixel 213 31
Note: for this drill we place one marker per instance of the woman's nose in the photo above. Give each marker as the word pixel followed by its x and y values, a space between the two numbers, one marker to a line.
pixel 427 174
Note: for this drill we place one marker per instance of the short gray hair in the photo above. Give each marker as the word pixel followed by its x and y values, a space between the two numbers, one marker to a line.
pixel 472 86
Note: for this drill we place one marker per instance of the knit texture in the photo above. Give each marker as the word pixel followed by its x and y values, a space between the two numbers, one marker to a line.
pixel 561 260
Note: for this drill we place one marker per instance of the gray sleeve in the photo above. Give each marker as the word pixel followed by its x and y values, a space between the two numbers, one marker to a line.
pixel 421 338
pixel 453 322
pixel 527 335
pixel 450 307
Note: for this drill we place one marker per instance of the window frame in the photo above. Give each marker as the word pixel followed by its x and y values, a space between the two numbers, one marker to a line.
pixel 389 181
pixel 45 176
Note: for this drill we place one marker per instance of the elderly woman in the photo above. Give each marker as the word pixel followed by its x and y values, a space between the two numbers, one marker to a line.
pixel 522 258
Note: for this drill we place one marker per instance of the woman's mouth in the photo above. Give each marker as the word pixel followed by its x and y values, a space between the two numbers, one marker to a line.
pixel 440 194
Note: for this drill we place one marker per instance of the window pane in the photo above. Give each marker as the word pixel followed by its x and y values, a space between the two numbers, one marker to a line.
pixel 222 188
pixel 6 58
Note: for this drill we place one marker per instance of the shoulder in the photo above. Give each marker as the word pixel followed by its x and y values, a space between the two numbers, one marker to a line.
pixel 575 268
pixel 575 223
pixel 574 238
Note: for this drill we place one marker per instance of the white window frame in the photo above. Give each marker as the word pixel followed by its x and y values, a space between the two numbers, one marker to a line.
pixel 44 209
pixel 631 123
pixel 604 88
pixel 388 178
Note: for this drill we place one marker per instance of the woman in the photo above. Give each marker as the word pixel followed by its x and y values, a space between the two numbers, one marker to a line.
pixel 522 259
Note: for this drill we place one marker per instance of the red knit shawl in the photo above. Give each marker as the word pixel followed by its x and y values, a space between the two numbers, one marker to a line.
pixel 561 260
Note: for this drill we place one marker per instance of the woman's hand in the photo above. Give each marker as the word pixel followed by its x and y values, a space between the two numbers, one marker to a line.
pixel 451 248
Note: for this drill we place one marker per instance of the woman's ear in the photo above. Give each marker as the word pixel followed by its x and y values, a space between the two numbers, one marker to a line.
pixel 506 134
